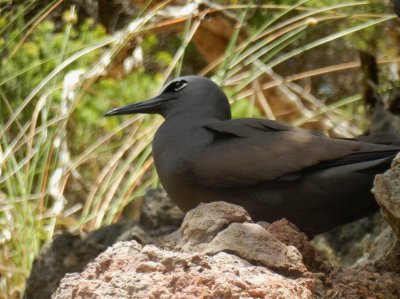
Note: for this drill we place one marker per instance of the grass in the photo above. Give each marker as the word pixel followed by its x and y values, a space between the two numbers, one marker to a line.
pixel 57 173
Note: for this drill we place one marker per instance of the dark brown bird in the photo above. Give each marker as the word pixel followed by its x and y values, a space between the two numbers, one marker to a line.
pixel 396 4
pixel 270 168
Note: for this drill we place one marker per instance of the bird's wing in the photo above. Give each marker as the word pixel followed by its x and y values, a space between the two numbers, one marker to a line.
pixel 381 138
pixel 249 151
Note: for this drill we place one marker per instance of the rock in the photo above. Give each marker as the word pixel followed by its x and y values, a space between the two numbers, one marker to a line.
pixel 355 284
pixel 346 244
pixel 159 214
pixel 128 270
pixel 219 252
pixel 71 253
pixel 289 234
pixel 255 244
pixel 387 194
pixel 220 226
pixel 383 254
pixel 202 224
pixel 67 253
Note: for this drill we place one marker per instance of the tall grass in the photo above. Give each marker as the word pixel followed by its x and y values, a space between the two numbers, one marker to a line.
pixel 40 171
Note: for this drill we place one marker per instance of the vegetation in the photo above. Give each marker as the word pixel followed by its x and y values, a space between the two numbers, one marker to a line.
pixel 65 167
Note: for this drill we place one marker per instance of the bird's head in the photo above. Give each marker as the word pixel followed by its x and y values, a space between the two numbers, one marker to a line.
pixel 188 96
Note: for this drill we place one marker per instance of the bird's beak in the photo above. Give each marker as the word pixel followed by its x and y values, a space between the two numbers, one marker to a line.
pixel 149 106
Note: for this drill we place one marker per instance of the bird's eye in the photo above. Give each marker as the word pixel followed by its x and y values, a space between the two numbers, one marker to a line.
pixel 176 86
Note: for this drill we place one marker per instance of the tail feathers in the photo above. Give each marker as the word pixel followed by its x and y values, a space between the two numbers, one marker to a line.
pixel 377 158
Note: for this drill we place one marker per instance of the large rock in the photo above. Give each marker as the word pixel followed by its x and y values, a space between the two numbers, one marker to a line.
pixel 387 194
pixel 220 226
pixel 128 270
pixel 217 253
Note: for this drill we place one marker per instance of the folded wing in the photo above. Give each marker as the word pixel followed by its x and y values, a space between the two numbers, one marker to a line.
pixel 249 151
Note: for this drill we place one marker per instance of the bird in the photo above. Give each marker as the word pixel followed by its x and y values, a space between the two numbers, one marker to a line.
pixel 272 169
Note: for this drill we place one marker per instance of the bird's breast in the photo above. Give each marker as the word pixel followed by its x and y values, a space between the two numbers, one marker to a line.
pixel 174 152
pixel 174 147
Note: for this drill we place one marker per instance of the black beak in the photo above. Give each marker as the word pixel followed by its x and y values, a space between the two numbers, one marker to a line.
pixel 150 106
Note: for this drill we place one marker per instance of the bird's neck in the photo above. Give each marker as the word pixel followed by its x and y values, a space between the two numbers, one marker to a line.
pixel 189 122
pixel 182 129
pixel 186 115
